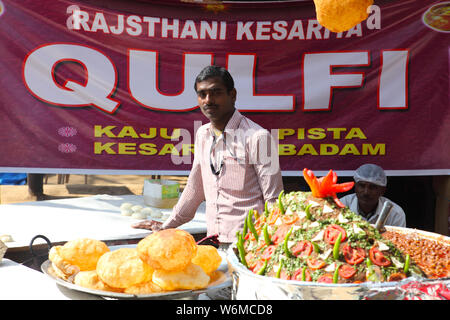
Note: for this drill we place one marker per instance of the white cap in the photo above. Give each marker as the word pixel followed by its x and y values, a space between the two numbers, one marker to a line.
pixel 371 173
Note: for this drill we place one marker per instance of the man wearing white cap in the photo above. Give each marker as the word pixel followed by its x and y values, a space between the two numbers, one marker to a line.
pixel 370 185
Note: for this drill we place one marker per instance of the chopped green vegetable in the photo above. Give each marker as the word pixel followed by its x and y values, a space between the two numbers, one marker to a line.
pixel 250 224
pixel 280 203
pixel 337 244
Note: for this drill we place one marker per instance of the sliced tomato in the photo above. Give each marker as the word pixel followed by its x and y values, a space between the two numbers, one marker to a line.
pixel 398 276
pixel 260 222
pixel 290 219
pixel 251 260
pixel 258 265
pixel 298 275
pixel 353 255
pixel 378 258
pixel 302 249
pixel 284 275
pixel 315 264
pixel 280 234
pixel 273 216
pixel 261 245
pixel 332 233
pixel 346 271
pixel 268 252
pixel 325 278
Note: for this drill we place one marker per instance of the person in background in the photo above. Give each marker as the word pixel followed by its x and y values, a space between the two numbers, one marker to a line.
pixel 35 183
pixel 235 168
pixel 370 185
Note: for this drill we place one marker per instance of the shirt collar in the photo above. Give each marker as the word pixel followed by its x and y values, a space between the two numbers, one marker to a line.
pixel 232 124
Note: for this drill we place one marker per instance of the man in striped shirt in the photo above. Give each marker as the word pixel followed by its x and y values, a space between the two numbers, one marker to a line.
pixel 236 165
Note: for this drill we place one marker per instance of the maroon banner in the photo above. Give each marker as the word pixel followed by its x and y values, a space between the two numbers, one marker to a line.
pixel 107 87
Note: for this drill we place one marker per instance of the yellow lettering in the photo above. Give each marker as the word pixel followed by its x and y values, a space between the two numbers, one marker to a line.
pixel 285 132
pixel 301 133
pixel 286 149
pixel 151 134
pixel 168 149
pixel 187 149
pixel 127 131
pixel 380 149
pixel 99 131
pixel 99 148
pixel 349 149
pixel 328 149
pixel 355 133
pixel 336 132
pixel 127 148
pixel 307 149
pixel 148 149
pixel 316 133
pixel 175 133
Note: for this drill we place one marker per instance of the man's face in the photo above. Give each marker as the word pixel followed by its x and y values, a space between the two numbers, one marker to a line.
pixel 214 100
pixel 368 195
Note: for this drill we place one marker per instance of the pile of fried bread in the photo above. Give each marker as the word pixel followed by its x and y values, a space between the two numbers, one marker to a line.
pixel 166 260
pixel 341 15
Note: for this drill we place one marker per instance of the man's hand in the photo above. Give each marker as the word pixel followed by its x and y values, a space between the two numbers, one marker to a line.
pixel 151 225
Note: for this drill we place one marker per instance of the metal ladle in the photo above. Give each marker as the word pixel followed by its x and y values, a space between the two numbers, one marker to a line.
pixel 385 211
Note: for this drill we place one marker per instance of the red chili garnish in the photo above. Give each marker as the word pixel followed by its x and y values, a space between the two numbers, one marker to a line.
pixel 326 186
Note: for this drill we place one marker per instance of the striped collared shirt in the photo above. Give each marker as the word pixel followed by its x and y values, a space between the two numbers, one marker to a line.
pixel 233 173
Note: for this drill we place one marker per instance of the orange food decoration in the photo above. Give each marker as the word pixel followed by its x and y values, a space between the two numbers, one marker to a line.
pixel 326 186
pixel 341 15
pixel 169 249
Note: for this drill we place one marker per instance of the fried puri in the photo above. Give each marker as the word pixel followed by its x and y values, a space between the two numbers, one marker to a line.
pixel 90 280
pixel 341 15
pixel 123 268
pixel 207 258
pixel 62 268
pixel 83 252
pixel 170 249
pixel 191 278
pixel 148 287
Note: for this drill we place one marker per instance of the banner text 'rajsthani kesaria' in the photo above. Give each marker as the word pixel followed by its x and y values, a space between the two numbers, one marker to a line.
pixel 108 87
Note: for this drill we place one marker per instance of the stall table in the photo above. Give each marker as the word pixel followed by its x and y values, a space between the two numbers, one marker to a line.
pixel 19 282
pixel 97 217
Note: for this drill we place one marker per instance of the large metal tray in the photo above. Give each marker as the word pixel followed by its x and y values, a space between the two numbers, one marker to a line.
pixel 223 281
pixel 247 285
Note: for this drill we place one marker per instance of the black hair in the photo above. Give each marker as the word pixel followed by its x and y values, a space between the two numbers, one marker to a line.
pixel 215 72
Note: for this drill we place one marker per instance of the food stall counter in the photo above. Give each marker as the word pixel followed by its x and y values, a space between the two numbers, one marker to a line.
pixel 98 217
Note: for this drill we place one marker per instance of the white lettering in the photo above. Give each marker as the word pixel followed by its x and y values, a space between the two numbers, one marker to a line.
pixel 263 30
pixel 280 30
pixel 166 27
pixel 244 29
pixel 134 26
pixel 99 23
pixel 189 30
pixel 120 25
pixel 143 81
pixel 296 31
pixel 242 68
pixel 99 71
pixel 393 79
pixel 151 25
pixel 373 20
pixel 319 80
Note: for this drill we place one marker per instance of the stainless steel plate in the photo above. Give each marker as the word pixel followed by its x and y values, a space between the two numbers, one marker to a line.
pixel 223 281
pixel 249 286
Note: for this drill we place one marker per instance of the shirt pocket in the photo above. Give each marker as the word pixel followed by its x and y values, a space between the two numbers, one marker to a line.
pixel 233 173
